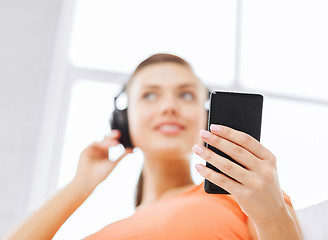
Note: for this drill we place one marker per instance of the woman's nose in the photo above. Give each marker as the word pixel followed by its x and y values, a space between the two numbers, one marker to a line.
pixel 169 105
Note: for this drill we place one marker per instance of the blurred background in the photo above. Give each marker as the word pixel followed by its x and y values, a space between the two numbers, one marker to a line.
pixel 62 62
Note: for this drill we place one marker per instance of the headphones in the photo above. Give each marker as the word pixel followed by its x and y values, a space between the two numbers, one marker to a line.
pixel 119 117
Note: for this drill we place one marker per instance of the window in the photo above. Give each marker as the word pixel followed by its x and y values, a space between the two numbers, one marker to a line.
pixel 284 47
pixel 117 35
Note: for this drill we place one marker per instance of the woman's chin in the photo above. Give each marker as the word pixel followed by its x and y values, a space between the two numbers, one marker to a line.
pixel 168 149
pixel 166 144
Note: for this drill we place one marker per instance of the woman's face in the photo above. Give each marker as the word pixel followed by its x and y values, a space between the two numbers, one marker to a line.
pixel 166 109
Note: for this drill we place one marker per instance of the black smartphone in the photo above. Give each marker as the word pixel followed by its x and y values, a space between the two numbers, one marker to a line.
pixel 240 111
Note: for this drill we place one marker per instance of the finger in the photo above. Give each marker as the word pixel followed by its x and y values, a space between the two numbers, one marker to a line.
pixel 225 165
pixel 235 151
pixel 104 144
pixel 219 179
pixel 102 147
pixel 114 134
pixel 109 142
pixel 242 139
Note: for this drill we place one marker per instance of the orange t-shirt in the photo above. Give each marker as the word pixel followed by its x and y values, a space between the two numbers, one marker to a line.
pixel 192 214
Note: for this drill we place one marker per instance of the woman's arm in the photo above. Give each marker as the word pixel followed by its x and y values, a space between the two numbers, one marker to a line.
pixel 93 168
pixel 255 235
pixel 257 189
pixel 45 222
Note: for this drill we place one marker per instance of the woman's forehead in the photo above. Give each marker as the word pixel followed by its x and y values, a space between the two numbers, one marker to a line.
pixel 166 75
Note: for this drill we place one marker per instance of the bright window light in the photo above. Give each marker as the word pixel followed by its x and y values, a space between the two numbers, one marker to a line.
pixel 284 47
pixel 296 133
pixel 117 35
pixel 88 120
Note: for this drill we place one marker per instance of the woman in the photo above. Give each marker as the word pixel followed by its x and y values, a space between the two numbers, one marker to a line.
pixel 167 118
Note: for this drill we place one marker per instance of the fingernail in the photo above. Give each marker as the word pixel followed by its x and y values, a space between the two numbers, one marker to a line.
pixel 199 167
pixel 204 133
pixel 215 128
pixel 197 149
pixel 115 132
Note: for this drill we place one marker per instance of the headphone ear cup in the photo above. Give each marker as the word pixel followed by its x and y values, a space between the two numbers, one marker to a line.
pixel 119 121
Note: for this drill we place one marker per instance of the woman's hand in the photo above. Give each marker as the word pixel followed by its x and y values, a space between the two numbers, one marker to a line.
pixel 94 165
pixel 93 168
pixel 257 188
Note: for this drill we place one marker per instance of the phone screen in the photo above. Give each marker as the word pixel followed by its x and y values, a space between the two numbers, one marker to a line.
pixel 240 111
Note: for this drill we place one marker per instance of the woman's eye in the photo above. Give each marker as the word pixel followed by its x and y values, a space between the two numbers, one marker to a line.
pixel 149 96
pixel 187 96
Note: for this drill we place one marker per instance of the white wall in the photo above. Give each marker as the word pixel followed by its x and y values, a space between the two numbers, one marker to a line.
pixel 27 37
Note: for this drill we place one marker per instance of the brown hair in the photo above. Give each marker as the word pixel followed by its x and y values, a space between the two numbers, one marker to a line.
pixel 156 58
pixel 159 58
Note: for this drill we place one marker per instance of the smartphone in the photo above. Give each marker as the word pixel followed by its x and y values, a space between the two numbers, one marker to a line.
pixel 240 111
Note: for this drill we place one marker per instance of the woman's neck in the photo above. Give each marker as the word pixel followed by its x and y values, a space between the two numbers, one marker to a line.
pixel 163 176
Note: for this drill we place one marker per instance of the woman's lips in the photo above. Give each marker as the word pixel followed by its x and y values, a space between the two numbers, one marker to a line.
pixel 170 128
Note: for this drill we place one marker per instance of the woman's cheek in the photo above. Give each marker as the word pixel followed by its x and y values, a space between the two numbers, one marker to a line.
pixel 196 123
pixel 139 126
